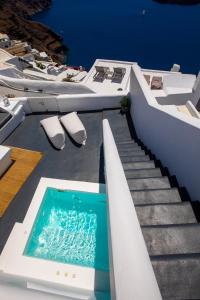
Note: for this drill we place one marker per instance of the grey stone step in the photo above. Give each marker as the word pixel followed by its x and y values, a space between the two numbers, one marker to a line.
pixel 134 158
pixel 135 152
pixel 156 197
pixel 128 146
pixel 139 165
pixel 125 142
pixel 166 214
pixel 149 183
pixel 178 278
pixel 120 134
pixel 145 173
pixel 172 240
pixel 118 124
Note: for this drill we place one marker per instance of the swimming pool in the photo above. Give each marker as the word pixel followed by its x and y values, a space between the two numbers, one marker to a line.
pixel 71 227
pixel 61 247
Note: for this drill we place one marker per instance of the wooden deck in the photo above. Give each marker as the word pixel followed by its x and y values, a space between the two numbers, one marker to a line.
pixel 24 162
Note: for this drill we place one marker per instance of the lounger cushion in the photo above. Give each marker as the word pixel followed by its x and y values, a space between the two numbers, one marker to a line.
pixel 54 131
pixel 74 127
pixel 156 83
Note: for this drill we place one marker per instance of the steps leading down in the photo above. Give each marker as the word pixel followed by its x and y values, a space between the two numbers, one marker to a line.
pixel 169 226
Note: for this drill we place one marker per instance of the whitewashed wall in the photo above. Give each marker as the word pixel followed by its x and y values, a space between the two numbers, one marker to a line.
pixel 89 102
pixel 173 137
pixel 184 81
pixel 67 103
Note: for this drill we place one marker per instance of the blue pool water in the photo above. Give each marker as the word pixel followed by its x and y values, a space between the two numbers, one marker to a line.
pixel 71 228
pixel 116 29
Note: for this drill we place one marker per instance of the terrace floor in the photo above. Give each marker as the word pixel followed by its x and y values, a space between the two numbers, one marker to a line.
pixel 72 163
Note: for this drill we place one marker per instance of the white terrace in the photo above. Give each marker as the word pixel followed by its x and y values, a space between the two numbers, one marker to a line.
pixel 163 127
pixel 108 85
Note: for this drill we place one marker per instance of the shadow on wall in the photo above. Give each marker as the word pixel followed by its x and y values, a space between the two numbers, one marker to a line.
pixel 101 166
pixel 174 99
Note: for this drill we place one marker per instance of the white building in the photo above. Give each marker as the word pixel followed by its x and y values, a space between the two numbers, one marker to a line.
pixel 5 41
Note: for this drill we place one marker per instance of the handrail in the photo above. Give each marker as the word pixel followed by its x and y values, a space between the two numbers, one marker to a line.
pixel 131 272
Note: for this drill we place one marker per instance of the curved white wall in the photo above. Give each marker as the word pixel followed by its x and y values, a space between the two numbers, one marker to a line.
pixel 173 137
pixel 46 86
pixel 14 73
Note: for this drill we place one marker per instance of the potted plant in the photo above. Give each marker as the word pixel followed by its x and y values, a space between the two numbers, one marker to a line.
pixel 125 104
pixel 69 78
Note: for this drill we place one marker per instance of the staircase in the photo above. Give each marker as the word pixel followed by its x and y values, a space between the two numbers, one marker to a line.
pixel 169 226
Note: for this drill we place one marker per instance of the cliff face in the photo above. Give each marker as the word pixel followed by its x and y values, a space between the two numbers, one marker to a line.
pixel 183 2
pixel 26 7
pixel 14 20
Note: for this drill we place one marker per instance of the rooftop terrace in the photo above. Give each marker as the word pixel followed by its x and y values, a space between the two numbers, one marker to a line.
pixel 72 163
pixel 109 86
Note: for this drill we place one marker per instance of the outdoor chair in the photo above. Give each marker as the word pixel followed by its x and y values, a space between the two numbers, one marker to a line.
pixel 101 73
pixel 118 74
pixel 156 83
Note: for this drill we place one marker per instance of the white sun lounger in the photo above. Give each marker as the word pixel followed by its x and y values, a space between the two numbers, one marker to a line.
pixel 101 73
pixel 54 131
pixel 74 127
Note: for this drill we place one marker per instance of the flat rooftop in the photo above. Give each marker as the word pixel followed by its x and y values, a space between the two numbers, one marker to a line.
pixel 108 85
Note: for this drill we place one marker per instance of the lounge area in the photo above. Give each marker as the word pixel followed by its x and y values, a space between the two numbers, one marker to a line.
pixel 103 73
pixel 108 76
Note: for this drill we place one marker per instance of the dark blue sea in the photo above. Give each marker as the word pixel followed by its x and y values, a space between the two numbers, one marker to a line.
pixel 158 37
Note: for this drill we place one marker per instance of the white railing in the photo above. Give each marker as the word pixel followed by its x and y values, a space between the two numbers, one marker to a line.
pixel 131 272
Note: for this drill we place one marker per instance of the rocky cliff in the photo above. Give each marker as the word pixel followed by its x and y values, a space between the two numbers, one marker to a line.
pixel 15 21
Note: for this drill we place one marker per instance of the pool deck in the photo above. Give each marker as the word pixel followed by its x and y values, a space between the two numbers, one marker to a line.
pixel 24 162
pixel 72 163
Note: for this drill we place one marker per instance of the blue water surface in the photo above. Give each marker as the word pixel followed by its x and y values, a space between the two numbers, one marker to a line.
pixel 71 227
pixel 114 29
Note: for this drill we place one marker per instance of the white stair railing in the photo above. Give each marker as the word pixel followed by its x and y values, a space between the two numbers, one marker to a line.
pixel 131 272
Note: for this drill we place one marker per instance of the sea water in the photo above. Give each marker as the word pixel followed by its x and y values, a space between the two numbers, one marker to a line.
pixel 71 228
pixel 154 35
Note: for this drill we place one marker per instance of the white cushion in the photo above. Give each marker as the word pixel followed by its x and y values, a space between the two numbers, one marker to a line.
pixel 54 131
pixel 74 127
